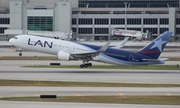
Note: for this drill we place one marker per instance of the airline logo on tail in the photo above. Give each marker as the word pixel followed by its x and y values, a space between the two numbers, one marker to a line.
pixel 158 44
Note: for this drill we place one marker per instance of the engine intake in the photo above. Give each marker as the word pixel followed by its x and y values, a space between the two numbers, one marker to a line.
pixel 65 56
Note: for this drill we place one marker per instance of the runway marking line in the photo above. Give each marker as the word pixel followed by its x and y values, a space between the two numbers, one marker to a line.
pixel 40 79
pixel 168 94
pixel 78 95
pixel 120 94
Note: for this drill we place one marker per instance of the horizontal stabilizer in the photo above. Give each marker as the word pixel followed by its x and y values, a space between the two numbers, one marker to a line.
pixel 155 60
pixel 151 60
pixel 163 59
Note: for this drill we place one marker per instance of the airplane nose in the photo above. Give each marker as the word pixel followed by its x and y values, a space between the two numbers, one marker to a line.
pixel 11 40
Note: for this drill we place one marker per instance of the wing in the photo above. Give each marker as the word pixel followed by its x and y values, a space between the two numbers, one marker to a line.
pixel 120 45
pixel 89 54
pixel 84 54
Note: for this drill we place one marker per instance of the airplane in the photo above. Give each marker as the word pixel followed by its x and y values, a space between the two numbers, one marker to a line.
pixel 68 50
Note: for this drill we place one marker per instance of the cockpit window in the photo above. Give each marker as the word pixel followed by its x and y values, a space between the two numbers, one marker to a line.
pixel 15 37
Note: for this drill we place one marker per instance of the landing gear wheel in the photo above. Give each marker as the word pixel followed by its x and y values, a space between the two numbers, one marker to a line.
pixel 86 65
pixel 20 54
pixel 82 66
pixel 90 64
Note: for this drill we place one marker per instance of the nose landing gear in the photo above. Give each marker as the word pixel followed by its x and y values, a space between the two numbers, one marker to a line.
pixel 20 51
pixel 20 54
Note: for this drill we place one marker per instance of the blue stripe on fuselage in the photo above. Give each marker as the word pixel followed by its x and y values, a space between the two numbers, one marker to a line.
pixel 120 54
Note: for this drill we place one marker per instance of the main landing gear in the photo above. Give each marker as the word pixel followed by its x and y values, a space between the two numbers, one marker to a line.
pixel 85 65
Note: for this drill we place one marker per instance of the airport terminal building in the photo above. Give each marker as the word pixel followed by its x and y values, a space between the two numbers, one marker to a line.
pixel 89 19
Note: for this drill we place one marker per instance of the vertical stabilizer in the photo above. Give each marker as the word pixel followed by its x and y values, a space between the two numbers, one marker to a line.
pixel 155 48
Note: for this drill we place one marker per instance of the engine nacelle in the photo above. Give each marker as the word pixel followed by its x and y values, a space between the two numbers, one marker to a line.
pixel 65 56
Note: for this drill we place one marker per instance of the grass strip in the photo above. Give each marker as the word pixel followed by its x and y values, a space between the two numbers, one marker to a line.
pixel 54 58
pixel 157 100
pixel 150 67
pixel 173 58
pixel 78 84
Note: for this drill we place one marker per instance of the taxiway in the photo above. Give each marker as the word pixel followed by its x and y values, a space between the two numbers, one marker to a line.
pixel 13 91
pixel 95 75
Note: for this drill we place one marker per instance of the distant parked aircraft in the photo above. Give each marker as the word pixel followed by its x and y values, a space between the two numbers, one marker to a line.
pixel 130 33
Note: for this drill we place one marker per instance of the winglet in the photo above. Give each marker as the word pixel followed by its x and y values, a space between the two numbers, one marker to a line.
pixel 120 45
pixel 103 48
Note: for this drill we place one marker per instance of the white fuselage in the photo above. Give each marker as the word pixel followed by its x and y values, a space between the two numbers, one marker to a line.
pixel 53 46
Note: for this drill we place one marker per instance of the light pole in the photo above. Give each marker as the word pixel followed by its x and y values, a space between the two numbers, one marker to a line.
pixel 125 3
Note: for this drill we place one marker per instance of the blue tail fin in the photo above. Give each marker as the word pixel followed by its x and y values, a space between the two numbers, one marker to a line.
pixel 155 48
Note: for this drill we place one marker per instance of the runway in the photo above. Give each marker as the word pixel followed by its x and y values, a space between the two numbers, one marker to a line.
pixel 47 62
pixel 94 75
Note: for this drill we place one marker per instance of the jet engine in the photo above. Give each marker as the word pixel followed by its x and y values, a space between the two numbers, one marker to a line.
pixel 65 56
